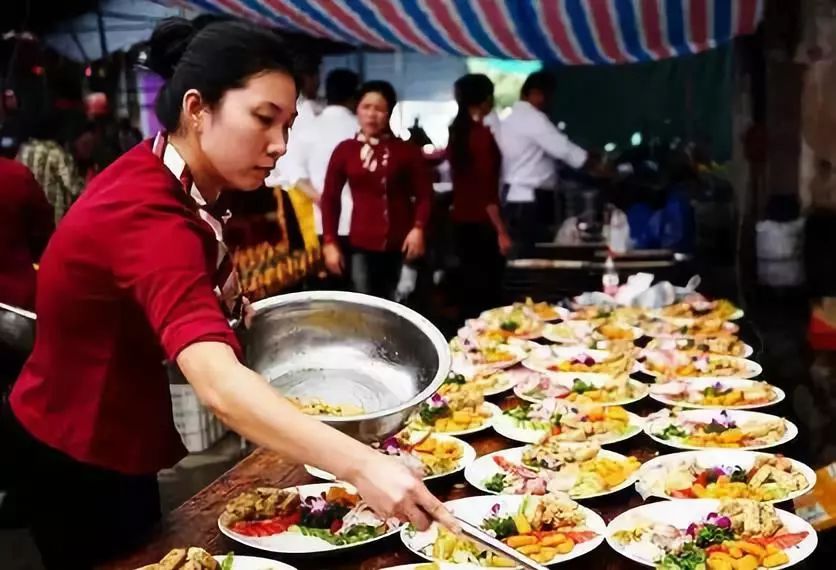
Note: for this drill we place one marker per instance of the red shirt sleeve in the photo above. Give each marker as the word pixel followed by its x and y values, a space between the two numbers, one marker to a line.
pixel 165 266
pixel 40 217
pixel 330 203
pixel 488 164
pixel 422 188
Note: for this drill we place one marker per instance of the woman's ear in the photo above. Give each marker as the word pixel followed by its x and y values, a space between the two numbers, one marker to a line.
pixel 193 107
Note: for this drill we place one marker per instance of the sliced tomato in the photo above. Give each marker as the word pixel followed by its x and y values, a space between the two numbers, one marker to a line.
pixel 782 541
pixel 683 494
pixel 581 536
pixel 716 548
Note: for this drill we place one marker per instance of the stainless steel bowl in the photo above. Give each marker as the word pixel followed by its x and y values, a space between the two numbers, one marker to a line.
pixel 17 329
pixel 347 348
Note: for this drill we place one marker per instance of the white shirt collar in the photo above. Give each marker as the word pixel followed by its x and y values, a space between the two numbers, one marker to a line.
pixel 175 163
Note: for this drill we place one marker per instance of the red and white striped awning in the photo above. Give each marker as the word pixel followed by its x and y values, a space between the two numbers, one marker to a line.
pixel 574 32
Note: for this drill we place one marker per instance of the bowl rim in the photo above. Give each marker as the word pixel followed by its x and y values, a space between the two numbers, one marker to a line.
pixel 440 344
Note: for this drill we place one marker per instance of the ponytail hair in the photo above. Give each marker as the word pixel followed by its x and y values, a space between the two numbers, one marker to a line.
pixel 470 90
pixel 211 58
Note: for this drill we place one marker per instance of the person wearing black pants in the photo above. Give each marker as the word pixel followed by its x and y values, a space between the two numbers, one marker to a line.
pixel 475 162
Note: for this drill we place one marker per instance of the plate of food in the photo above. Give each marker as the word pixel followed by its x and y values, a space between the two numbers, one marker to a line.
pixel 515 321
pixel 582 470
pixel 679 364
pixel 435 455
pixel 586 332
pixel 689 328
pixel 460 412
pixel 560 421
pixel 582 389
pixel 301 520
pixel 471 357
pixel 548 529
pixel 717 393
pixel 725 474
pixel 488 382
pixel 726 429
pixel 555 358
pixel 541 310
pixel 198 559
pixel 600 314
pixel 712 534
pixel 698 307
pixel 724 345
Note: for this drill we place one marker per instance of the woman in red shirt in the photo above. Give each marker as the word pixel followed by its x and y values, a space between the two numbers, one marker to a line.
pixel 129 280
pixel 392 192
pixel 475 162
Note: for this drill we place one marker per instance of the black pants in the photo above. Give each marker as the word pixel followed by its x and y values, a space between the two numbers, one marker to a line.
pixel 79 515
pixel 333 282
pixel 480 268
pixel 522 220
pixel 376 272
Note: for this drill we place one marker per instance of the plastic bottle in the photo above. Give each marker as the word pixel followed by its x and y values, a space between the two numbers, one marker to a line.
pixel 610 278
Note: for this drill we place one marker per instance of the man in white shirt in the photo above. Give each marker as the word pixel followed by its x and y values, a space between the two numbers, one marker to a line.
pixel 531 144
pixel 313 145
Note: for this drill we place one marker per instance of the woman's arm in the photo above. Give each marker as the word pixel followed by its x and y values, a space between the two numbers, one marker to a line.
pixel 331 203
pixel 247 403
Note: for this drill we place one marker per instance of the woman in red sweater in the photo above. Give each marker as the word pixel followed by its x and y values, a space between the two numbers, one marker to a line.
pixel 392 192
pixel 475 162
pixel 129 279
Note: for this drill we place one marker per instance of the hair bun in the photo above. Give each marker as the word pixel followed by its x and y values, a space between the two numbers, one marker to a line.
pixel 168 43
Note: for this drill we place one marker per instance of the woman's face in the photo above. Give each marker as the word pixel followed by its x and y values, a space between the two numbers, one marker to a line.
pixel 373 114
pixel 246 132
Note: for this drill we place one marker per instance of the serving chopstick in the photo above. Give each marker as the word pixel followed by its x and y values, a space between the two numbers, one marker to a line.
pixel 486 540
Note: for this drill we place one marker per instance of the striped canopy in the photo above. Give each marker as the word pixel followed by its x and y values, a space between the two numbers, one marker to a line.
pixel 573 32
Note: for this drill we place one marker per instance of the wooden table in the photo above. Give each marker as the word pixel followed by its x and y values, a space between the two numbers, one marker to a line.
pixel 195 522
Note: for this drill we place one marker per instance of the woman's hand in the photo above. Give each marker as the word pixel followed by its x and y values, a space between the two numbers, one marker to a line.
pixel 505 243
pixel 333 258
pixel 413 245
pixel 394 490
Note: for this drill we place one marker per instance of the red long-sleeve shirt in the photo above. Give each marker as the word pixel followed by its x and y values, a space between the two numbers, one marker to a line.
pixel 476 181
pixel 388 202
pixel 126 281
pixel 26 222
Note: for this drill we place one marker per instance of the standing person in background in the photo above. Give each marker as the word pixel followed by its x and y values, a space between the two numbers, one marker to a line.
pixel 530 145
pixel 391 188
pixel 313 149
pixel 53 167
pixel 26 223
pixel 475 162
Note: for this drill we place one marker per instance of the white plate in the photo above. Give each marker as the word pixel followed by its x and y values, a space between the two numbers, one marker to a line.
pixel 581 332
pixel 682 512
pixel 485 467
pixel 468 457
pixel 254 563
pixel 705 416
pixel 462 364
pixel 495 413
pixel 659 391
pixel 294 542
pixel 475 509
pixel 539 360
pixel 566 379
pixel 562 313
pixel 506 427
pixel 716 458
pixel 663 343
pixel 508 379
pixel 746 369
pixel 728 328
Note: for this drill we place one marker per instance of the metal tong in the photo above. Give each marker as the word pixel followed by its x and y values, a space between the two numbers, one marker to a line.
pixel 486 540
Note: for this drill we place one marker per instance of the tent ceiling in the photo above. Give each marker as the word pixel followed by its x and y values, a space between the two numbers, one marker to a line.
pixel 562 31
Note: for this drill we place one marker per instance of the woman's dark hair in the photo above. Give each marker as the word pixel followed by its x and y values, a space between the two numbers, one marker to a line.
pixel 341 87
pixel 384 88
pixel 211 58
pixel 470 90
pixel 541 81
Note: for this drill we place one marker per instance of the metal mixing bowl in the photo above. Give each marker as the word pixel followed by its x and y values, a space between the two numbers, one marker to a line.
pixel 346 348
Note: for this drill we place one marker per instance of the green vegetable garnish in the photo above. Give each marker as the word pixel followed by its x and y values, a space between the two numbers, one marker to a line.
pixel 358 533
pixel 671 431
pixel 580 387
pixel 228 562
pixel 691 558
pixel 503 527
pixel 496 483
pixel 710 534
pixel 519 413
pixel 738 475
pixel 715 427
pixel 454 378
pixel 509 325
